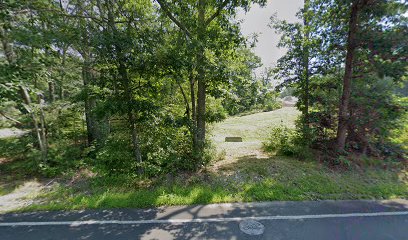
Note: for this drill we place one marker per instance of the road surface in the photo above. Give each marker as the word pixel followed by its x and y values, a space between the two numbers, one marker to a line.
pixel 313 220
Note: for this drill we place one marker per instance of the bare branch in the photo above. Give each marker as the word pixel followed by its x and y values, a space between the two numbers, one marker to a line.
pixel 217 13
pixel 18 123
pixel 174 19
pixel 185 99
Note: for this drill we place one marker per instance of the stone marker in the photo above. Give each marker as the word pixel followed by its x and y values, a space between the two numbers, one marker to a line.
pixel 251 227
pixel 233 139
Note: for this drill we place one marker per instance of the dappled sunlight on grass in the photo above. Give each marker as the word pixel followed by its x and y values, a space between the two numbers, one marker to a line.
pixel 248 175
pixel 242 181
pixel 20 196
pixel 254 129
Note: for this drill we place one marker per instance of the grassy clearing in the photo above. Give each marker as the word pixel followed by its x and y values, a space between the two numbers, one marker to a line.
pixel 254 129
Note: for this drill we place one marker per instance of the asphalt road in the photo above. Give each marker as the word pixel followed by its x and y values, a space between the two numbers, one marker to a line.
pixel 314 220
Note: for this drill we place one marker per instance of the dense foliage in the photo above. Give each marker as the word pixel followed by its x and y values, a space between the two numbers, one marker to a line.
pixel 118 85
pixel 129 87
pixel 346 62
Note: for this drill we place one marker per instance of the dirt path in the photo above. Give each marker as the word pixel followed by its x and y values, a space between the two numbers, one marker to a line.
pixel 11 132
pixel 16 193
pixel 21 196
pixel 254 130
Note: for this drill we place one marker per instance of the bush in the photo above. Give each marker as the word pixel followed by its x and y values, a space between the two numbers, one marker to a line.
pixel 166 146
pixel 281 141
pixel 115 157
pixel 288 142
pixel 273 105
pixel 215 111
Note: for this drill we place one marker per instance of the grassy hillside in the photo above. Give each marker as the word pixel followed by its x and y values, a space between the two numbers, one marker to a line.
pixel 254 129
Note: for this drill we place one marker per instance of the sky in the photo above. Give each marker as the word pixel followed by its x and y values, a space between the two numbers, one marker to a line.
pixel 257 20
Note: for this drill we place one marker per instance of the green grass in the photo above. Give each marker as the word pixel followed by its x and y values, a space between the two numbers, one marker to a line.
pixel 244 181
pixel 14 168
pixel 255 127
pixel 246 178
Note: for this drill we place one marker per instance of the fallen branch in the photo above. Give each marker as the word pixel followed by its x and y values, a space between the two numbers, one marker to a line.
pixel 18 123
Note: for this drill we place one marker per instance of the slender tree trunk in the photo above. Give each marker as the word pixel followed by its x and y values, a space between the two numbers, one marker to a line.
pixel 135 139
pixel 200 36
pixel 51 91
pixel 201 78
pixel 89 104
pixel 131 115
pixel 193 109
pixel 306 62
pixel 11 59
pixel 348 73
pixel 43 127
pixel 127 88
pixel 97 129
pixel 186 103
pixel 37 132
pixel 61 81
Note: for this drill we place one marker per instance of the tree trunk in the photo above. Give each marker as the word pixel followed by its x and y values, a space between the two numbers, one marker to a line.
pixel 61 81
pixel 186 103
pixel 97 129
pixel 348 73
pixel 123 74
pixel 37 131
pixel 43 127
pixel 11 59
pixel 131 116
pixel 306 62
pixel 135 139
pixel 193 109
pixel 201 78
pixel 51 91
pixel 89 103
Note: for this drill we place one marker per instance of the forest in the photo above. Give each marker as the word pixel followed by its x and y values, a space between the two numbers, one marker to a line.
pixel 127 94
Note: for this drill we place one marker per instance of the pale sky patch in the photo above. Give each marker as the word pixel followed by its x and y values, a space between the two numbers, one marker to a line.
pixel 257 20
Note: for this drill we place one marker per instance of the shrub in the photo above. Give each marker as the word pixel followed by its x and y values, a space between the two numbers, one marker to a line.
pixel 288 142
pixel 215 111
pixel 115 157
pixel 281 141
pixel 272 105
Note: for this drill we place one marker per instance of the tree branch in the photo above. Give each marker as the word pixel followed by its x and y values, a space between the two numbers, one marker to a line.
pixel 174 19
pixel 217 13
pixel 11 119
pixel 185 100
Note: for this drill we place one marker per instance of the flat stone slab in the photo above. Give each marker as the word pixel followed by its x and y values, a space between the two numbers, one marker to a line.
pixel 233 139
pixel 251 227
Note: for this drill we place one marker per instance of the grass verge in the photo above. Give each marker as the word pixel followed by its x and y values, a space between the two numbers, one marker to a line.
pixel 244 181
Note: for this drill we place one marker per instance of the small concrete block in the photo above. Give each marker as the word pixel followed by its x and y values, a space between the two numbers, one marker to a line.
pixel 233 139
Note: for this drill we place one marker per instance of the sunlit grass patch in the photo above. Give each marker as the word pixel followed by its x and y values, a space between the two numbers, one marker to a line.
pixel 245 179
pixel 282 179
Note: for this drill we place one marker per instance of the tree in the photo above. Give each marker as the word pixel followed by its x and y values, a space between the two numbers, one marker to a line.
pixel 195 18
pixel 356 7
pixel 295 67
pixel 358 42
